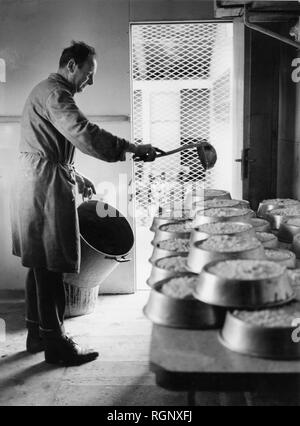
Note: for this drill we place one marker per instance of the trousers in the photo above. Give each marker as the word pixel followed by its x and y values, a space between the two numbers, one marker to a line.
pixel 45 300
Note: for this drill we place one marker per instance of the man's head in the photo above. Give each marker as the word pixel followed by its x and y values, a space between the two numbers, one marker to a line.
pixel 78 65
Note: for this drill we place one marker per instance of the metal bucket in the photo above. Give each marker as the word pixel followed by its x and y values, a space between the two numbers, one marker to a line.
pixel 106 239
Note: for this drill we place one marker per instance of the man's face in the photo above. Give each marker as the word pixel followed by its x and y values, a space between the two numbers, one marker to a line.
pixel 83 76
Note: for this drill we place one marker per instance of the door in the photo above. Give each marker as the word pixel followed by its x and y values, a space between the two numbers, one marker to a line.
pixel 258 158
pixel 182 83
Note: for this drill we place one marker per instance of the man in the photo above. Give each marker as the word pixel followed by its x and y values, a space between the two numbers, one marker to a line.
pixel 44 217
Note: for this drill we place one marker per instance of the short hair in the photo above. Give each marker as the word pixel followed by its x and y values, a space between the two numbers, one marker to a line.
pixel 79 51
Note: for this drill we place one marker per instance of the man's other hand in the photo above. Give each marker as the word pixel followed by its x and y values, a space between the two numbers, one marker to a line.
pixel 85 187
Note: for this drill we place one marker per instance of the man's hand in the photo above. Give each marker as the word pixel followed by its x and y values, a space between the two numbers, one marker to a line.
pixel 145 152
pixel 85 186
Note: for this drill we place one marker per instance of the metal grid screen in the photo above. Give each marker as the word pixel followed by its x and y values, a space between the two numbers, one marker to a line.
pixel 181 92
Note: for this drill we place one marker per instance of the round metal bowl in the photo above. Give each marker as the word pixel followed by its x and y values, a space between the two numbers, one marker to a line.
pixel 205 194
pixel 287 230
pixel 198 235
pixel 243 294
pixel 220 203
pixel 161 220
pixel 160 252
pixel 198 257
pixel 201 218
pixel 266 206
pixel 288 258
pixel 161 234
pixel 271 242
pixel 182 313
pixel 260 225
pixel 277 219
pixel 265 342
pixel 158 273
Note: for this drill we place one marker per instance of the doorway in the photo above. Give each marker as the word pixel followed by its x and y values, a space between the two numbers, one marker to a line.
pixel 181 91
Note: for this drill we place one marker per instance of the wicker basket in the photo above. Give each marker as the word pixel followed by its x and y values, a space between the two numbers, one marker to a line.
pixel 80 300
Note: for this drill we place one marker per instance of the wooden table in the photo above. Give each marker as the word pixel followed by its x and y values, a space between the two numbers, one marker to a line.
pixel 192 360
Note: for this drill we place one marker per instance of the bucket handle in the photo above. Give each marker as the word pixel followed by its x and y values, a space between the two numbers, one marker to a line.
pixel 122 259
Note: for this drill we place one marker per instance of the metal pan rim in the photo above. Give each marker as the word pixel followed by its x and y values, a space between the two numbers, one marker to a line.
pixel 227 345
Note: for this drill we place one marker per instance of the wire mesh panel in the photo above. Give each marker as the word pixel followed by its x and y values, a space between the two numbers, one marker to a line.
pixel 181 93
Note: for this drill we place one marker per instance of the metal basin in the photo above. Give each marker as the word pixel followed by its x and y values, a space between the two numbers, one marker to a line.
pixel 158 273
pixel 181 313
pixel 271 242
pixel 260 225
pixel 161 252
pixel 162 234
pixel 266 342
pixel 220 203
pixel 243 294
pixel 287 230
pixel 276 219
pixel 205 194
pixel 198 235
pixel 161 220
pixel 199 257
pixel 266 206
pixel 201 218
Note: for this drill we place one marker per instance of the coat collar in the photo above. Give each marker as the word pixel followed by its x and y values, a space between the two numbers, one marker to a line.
pixel 60 79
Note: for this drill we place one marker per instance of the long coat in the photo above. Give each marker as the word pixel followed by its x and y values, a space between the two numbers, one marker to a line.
pixel 45 230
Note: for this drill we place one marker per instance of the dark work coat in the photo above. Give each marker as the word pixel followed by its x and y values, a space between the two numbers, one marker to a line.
pixel 44 218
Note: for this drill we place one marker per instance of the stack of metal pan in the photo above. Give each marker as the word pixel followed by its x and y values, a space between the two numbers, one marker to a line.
pixel 252 297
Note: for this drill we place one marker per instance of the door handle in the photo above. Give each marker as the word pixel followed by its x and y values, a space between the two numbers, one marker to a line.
pixel 245 161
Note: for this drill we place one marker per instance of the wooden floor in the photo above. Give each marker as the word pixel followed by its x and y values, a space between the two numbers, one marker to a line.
pixel 120 377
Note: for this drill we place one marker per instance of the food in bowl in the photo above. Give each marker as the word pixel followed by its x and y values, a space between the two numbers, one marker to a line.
pixel 173 263
pixel 266 238
pixel 278 255
pixel 230 243
pixel 182 287
pixel 283 201
pixel 217 228
pixel 276 317
pixel 224 212
pixel 239 269
pixel 177 244
pixel 185 226
pixel 258 223
pixel 286 211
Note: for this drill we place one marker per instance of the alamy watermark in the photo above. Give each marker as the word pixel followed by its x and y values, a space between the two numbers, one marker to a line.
pixel 296 332
pixel 296 71
pixel 2 331
pixel 158 196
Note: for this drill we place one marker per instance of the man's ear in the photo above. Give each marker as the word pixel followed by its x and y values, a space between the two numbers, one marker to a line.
pixel 71 65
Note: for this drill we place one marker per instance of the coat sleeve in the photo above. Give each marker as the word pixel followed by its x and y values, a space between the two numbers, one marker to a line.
pixel 66 117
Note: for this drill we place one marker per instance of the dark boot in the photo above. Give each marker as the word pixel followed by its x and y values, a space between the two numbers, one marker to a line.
pixel 63 350
pixel 34 342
